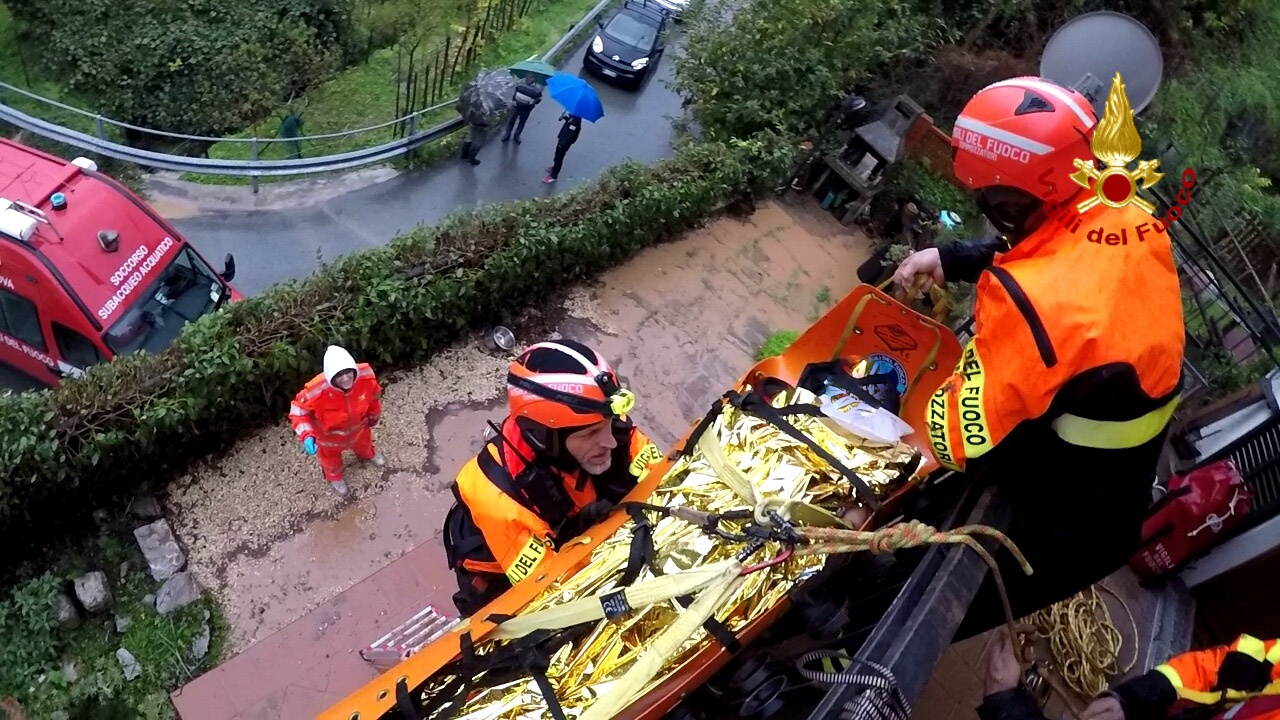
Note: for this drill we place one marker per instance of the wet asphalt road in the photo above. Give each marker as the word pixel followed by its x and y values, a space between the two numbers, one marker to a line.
pixel 271 246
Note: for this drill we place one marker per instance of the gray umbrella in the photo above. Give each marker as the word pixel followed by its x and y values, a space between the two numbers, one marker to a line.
pixel 486 97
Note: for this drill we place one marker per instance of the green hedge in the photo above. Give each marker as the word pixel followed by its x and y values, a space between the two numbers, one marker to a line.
pixel 144 416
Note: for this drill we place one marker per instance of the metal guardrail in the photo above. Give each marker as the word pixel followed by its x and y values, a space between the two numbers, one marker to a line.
pixel 254 168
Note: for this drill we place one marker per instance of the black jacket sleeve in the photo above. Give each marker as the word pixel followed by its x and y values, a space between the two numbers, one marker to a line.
pixel 1146 697
pixel 1015 704
pixel 965 260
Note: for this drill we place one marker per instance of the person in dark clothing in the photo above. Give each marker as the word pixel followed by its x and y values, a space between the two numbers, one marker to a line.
pixel 1065 393
pixel 472 142
pixel 528 95
pixel 568 136
pixel 1237 681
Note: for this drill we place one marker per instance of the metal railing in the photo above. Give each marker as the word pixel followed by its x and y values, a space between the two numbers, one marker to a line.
pixel 255 167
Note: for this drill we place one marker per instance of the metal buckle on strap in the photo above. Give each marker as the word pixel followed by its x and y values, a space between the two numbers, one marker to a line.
pixel 1114 435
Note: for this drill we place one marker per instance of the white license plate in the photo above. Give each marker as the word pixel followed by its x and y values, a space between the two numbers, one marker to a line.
pixel 609 72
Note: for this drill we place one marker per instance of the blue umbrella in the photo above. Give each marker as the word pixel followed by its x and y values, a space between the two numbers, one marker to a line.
pixel 576 96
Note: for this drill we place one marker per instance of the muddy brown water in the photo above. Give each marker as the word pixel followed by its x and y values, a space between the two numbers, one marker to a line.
pixel 681 322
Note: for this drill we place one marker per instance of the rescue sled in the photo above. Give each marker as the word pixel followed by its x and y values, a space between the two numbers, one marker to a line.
pixel 468 673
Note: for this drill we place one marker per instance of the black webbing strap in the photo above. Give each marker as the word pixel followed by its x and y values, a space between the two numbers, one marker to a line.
pixel 641 555
pixel 528 655
pixel 537 663
pixel 404 702
pixel 691 442
pixel 752 404
pixel 714 628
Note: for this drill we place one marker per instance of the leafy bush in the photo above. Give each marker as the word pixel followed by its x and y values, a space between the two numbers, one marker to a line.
pixel 776 344
pixel 237 369
pixel 204 67
pixel 780 65
pixel 33 649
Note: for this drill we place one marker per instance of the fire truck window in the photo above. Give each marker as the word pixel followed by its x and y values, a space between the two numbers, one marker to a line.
pixel 75 348
pixel 19 319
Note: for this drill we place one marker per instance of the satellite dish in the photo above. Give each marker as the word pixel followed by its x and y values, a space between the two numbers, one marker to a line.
pixel 1087 52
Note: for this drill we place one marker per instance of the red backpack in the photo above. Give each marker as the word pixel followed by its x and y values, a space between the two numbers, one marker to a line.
pixel 1190 518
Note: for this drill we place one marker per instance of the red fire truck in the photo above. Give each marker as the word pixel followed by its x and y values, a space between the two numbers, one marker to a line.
pixel 88 271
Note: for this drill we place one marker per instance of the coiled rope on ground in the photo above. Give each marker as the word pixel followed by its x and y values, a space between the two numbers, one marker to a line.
pixel 1084 640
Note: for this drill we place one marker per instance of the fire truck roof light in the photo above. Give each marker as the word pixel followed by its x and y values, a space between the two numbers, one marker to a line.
pixel 17 224
pixel 85 163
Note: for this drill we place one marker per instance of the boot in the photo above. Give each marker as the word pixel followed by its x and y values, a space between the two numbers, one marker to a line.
pixel 469 152
pixel 339 487
pixel 378 460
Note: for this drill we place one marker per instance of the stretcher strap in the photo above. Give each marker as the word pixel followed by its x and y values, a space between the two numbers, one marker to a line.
pixel 666 645
pixel 641 555
pixel 752 404
pixel 593 608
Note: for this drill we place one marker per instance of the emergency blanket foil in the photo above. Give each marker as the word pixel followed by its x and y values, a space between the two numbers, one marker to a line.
pixel 778 466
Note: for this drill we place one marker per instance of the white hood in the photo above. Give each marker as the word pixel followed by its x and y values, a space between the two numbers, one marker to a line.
pixel 335 361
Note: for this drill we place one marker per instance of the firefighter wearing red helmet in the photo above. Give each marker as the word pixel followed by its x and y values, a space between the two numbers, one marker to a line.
pixel 1063 397
pixel 563 457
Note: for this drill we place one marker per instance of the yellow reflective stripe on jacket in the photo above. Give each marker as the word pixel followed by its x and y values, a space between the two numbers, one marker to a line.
pixel 1114 435
pixel 649 454
pixel 526 560
pixel 1273 655
pixel 1251 646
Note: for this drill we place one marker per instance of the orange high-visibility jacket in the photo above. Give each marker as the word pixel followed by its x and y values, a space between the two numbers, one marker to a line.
pixel 1084 337
pixel 334 417
pixel 515 535
pixel 1241 679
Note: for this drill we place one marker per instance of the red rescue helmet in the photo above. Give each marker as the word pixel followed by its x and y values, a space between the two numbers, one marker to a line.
pixel 564 384
pixel 1015 144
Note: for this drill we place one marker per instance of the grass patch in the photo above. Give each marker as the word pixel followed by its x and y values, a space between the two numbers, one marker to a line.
pixel 776 344
pixel 34 651
pixel 365 95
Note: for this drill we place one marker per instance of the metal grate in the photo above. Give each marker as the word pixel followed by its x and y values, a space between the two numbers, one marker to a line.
pixel 1258 458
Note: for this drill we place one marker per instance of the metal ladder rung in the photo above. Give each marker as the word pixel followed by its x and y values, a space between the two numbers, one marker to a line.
pixel 408 637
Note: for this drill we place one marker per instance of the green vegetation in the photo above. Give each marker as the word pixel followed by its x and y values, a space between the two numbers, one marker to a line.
pixel 166 65
pixel 236 370
pixel 34 651
pixel 780 65
pixel 371 93
pixel 776 344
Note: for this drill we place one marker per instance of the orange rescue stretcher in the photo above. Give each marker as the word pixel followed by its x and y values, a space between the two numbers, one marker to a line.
pixel 867 321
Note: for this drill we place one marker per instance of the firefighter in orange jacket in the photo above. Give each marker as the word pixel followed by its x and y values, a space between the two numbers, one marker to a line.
pixel 1240 681
pixel 335 412
pixel 564 456
pixel 1063 396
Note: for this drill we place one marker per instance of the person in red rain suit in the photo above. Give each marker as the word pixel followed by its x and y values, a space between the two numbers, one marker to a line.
pixel 335 412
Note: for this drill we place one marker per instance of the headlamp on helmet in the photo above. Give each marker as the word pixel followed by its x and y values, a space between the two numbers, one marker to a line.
pixel 566 399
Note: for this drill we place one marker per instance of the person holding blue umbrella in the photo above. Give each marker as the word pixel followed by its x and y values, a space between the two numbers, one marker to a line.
pixel 580 102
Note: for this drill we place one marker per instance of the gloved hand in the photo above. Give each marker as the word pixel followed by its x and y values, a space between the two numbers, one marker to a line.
pixel 309 445
pixel 594 512
pixel 372 421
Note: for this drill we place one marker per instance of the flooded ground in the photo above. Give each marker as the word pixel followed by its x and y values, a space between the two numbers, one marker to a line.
pixel 680 322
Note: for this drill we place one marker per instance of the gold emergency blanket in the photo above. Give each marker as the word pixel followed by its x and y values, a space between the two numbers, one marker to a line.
pixel 778 467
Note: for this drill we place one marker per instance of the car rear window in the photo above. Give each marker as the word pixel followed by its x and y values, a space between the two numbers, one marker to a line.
pixel 632 31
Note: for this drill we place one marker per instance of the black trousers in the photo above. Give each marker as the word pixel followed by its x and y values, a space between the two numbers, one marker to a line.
pixel 1077 518
pixel 516 120
pixel 561 149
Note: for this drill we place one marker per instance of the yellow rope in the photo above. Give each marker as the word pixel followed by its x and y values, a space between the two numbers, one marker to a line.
pixel 831 541
pixel 1085 641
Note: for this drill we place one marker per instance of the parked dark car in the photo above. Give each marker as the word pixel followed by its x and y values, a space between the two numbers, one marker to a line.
pixel 629 43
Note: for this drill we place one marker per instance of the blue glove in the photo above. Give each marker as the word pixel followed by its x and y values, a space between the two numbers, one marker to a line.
pixel 309 445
